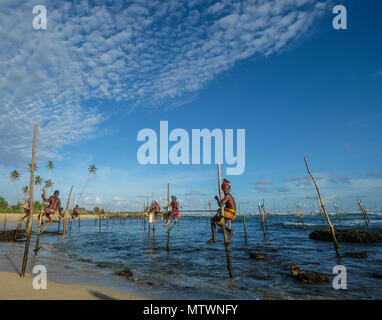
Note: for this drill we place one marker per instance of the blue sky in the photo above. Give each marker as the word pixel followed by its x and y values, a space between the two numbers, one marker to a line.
pixel 298 87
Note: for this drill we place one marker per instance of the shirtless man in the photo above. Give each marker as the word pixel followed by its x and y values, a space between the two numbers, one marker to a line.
pixel 75 212
pixel 26 209
pixel 229 211
pixel 54 204
pixel 102 214
pixel 154 210
pixel 174 213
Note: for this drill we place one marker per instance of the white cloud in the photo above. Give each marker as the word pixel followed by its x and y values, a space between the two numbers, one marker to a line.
pixel 151 53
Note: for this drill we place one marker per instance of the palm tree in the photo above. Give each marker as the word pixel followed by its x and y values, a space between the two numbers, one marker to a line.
pixel 38 181
pixel 25 191
pixel 15 177
pixel 35 167
pixel 48 184
pixel 92 169
pixel 50 165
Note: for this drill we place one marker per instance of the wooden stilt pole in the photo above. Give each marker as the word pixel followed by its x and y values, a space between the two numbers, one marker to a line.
pixel 168 216
pixel 37 248
pixel 18 228
pixel 5 220
pixel 337 212
pixel 226 242
pixel 261 218
pixel 335 242
pixel 70 216
pixel 245 228
pixel 321 212
pixel 265 218
pixel 364 212
pixel 66 216
pixel 30 221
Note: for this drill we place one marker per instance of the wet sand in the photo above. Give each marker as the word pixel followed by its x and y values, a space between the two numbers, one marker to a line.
pixel 72 280
pixel 12 287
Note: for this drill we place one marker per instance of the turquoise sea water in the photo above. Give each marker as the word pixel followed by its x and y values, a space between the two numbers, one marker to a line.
pixel 185 267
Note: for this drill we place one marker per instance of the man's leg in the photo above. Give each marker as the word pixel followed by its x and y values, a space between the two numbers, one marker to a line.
pixel 213 228
pixel 167 218
pixel 231 232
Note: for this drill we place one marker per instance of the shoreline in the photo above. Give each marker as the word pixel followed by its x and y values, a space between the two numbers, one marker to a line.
pixel 14 217
pixel 67 279
pixel 15 288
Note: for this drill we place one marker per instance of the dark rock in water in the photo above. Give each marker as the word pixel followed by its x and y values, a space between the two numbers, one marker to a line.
pixel 126 273
pixel 259 256
pixel 307 277
pixel 347 235
pixel 9 235
pixel 377 276
pixel 362 254
pixel 53 233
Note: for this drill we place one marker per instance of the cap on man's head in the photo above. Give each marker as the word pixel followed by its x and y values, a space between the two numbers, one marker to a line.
pixel 56 192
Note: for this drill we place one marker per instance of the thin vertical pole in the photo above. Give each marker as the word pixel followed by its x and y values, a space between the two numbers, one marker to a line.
pixel 168 216
pixel 226 243
pixel 30 220
pixel 245 228
pixel 335 242
pixel 66 215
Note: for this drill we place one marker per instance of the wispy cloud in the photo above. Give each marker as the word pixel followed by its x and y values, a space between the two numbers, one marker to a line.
pixel 263 181
pixel 299 181
pixel 334 178
pixel 374 174
pixel 145 53
pixel 193 193
pixel 263 189
pixel 282 189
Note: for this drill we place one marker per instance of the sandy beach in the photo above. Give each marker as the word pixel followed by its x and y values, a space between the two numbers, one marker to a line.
pixel 14 217
pixel 72 280
pixel 14 288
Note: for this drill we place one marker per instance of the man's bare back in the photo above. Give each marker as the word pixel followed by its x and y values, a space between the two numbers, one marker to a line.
pixel 54 202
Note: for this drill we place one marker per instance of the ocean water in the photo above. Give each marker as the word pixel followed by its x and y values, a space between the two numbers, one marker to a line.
pixel 185 267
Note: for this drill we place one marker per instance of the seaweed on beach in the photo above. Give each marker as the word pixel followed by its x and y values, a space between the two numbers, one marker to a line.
pixel 346 235
pixel 12 235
